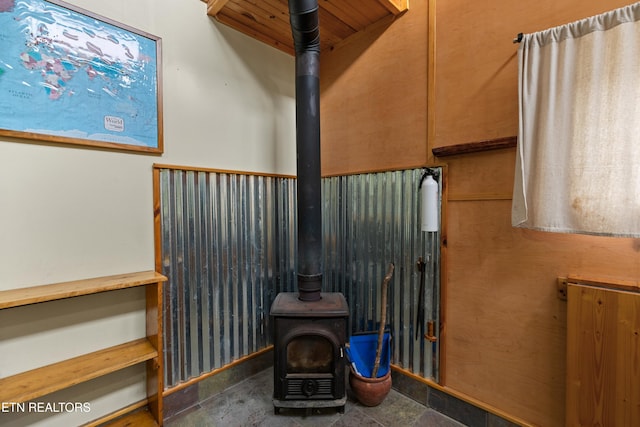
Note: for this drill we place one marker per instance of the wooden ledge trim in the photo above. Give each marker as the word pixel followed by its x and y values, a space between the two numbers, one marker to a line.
pixel 600 282
pixel 475 147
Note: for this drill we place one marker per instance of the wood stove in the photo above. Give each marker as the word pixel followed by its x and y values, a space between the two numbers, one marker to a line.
pixel 309 356
pixel 309 328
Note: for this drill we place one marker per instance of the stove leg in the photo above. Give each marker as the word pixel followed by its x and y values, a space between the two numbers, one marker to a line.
pixel 341 409
pixel 276 410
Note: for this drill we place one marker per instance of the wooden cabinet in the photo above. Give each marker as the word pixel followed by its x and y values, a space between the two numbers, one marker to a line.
pixel 41 381
pixel 603 356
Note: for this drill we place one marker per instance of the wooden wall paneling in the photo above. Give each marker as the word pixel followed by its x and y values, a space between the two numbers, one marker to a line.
pixel 482 176
pixel 505 325
pixel 476 62
pixel 476 85
pixel 374 98
pixel 603 349
pixel 357 14
pixel 431 80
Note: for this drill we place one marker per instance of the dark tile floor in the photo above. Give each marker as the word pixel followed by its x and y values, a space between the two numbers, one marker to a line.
pixel 248 403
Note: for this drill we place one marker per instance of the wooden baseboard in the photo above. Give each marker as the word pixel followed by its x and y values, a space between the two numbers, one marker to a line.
pixel 461 396
pixel 206 375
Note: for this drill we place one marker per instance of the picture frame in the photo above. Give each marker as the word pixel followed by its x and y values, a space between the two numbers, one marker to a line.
pixel 72 77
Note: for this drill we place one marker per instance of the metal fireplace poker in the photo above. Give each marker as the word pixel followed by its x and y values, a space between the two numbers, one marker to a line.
pixel 310 327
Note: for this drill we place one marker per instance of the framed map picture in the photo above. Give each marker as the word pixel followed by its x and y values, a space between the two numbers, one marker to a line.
pixel 72 77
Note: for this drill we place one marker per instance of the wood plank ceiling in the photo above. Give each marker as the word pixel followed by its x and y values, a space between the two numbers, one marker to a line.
pixel 268 20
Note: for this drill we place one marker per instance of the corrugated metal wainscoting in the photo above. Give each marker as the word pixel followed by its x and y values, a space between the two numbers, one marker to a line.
pixel 227 243
pixel 370 220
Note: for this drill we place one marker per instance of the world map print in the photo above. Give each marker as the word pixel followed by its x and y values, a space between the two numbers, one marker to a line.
pixel 71 75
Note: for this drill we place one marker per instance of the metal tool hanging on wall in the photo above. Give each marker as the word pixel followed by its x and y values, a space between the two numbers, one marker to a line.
pixel 420 314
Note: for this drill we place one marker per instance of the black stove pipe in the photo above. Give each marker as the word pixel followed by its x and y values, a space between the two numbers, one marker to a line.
pixel 303 15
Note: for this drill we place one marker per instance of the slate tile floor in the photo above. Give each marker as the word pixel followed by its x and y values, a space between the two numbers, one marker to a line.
pixel 248 403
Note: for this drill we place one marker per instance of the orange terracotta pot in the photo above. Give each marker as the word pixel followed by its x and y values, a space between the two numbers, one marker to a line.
pixel 370 391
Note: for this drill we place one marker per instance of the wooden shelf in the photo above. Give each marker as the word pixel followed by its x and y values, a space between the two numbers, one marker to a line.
pixel 36 294
pixel 44 380
pixel 135 419
pixel 268 20
pixel 48 379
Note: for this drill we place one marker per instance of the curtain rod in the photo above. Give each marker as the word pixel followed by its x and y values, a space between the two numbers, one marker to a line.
pixel 518 38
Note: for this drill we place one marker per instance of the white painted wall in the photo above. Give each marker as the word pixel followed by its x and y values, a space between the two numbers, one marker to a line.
pixel 71 213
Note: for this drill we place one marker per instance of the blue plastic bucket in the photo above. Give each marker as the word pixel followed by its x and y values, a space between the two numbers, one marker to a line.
pixel 361 352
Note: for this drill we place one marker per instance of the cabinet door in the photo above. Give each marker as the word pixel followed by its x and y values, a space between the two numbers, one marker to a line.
pixel 603 357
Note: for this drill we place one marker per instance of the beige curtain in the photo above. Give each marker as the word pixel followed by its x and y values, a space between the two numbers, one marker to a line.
pixel 578 162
